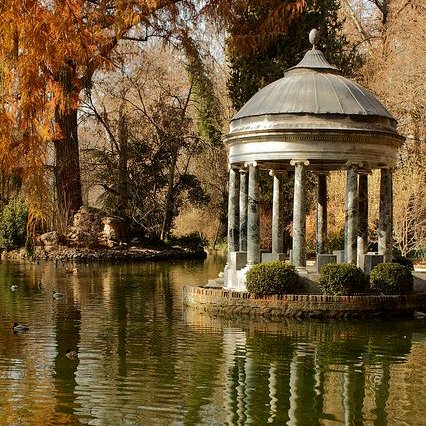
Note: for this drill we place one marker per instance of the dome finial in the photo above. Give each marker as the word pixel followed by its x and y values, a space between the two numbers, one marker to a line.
pixel 314 37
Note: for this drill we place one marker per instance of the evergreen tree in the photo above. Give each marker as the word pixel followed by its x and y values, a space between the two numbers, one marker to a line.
pixel 252 70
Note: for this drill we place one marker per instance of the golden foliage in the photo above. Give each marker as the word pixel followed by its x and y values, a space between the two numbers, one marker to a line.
pixel 249 35
pixel 49 51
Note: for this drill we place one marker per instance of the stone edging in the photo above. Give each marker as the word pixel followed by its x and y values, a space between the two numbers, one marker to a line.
pixel 222 301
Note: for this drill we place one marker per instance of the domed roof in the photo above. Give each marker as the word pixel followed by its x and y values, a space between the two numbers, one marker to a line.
pixel 313 86
pixel 315 114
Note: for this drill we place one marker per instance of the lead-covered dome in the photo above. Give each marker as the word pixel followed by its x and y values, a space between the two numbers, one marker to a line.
pixel 313 87
pixel 317 114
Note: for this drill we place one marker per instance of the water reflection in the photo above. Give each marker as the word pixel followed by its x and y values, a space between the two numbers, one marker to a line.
pixel 144 360
pixel 315 373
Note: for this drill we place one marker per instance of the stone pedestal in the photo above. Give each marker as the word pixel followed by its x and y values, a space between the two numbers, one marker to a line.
pixel 369 261
pixel 340 256
pixel 269 257
pixel 324 259
pixel 237 259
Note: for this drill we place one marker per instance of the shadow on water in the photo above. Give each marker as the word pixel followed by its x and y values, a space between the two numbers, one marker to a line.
pixel 144 360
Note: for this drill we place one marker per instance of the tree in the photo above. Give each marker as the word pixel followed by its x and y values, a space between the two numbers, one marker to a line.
pixel 253 69
pixel 395 70
pixel 49 52
pixel 146 140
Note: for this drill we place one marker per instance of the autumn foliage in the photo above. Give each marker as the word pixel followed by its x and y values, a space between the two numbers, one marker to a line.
pixel 49 51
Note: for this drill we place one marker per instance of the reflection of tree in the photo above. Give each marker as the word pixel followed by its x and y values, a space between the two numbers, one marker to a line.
pixel 140 360
pixel 67 327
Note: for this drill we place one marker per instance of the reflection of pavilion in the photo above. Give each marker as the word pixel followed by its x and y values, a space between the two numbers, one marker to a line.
pixel 298 374
pixel 301 389
pixel 313 119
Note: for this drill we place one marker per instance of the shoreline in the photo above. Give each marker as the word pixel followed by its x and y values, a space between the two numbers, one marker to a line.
pixel 114 255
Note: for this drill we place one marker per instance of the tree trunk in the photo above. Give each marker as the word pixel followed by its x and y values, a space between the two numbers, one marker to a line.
pixel 123 187
pixel 168 211
pixel 67 168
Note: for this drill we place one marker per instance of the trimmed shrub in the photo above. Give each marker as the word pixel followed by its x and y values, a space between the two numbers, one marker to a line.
pixel 404 261
pixel 13 224
pixel 274 277
pixel 391 278
pixel 342 279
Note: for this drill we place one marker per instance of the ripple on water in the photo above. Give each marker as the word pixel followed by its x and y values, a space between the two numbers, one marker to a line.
pixel 145 360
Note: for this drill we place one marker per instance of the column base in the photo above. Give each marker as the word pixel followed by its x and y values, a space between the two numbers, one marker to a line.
pixel 369 261
pixel 235 271
pixel 340 256
pixel 237 259
pixel 324 259
pixel 269 257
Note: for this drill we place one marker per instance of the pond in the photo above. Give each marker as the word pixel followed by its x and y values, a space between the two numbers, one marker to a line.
pixel 144 360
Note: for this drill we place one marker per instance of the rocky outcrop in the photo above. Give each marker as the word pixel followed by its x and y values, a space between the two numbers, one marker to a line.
pixel 52 240
pixel 95 236
pixel 87 227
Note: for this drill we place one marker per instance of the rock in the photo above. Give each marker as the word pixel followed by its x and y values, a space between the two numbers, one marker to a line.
pixel 87 226
pixel 52 238
pixel 113 229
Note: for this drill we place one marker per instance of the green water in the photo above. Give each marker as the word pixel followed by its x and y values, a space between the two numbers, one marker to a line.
pixel 144 360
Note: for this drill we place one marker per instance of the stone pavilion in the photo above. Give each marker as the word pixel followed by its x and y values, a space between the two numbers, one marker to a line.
pixel 313 119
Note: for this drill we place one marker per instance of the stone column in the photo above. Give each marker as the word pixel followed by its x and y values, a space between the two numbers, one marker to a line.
pixel 385 215
pixel 362 241
pixel 321 229
pixel 233 211
pixel 299 213
pixel 253 223
pixel 243 209
pixel 277 212
pixel 351 214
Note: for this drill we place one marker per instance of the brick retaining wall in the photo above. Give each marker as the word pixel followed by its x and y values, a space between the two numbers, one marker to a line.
pixel 222 301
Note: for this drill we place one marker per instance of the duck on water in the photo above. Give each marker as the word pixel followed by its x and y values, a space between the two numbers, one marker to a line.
pixel 20 328
pixel 57 295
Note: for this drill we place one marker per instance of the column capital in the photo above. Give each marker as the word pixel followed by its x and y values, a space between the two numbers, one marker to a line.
pixel 322 172
pixel 354 163
pixel 303 161
pixel 232 167
pixel 389 167
pixel 251 163
pixel 243 171
pixel 277 173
